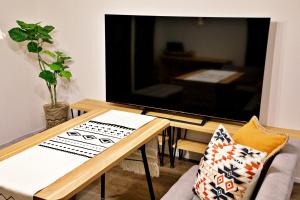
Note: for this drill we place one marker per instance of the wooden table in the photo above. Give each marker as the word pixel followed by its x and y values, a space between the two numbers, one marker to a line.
pixel 191 123
pixel 73 182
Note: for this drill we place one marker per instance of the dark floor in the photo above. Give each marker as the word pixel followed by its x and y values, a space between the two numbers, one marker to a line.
pixel 123 185
pixel 296 192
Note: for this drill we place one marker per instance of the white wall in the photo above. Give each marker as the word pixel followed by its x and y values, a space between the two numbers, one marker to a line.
pixel 21 92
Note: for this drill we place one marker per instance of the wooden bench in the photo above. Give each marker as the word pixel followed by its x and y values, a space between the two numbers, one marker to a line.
pixel 190 123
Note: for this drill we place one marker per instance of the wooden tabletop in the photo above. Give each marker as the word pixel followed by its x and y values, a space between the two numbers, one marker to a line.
pixel 82 176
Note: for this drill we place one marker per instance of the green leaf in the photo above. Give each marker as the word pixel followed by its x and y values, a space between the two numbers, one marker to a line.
pixel 32 34
pixel 56 67
pixel 48 28
pixel 26 26
pixel 18 34
pixel 67 58
pixel 33 47
pixel 21 23
pixel 49 53
pixel 66 74
pixel 48 76
pixel 43 33
pixel 48 41
pixel 59 53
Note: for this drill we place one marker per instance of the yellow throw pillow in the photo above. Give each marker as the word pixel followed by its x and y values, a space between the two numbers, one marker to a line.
pixel 257 137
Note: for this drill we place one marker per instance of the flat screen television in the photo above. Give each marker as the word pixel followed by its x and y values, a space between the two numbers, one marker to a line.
pixel 206 66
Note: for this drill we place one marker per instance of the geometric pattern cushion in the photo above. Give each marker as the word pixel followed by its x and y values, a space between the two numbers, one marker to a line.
pixel 227 170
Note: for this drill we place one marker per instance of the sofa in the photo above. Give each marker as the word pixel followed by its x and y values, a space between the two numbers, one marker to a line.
pixel 277 184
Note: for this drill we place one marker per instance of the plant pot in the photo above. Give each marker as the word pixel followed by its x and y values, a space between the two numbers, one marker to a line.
pixel 56 115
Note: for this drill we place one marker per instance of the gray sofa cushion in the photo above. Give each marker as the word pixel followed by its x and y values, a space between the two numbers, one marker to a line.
pixel 183 188
pixel 277 184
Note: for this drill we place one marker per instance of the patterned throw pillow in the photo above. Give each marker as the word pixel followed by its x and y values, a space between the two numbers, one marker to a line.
pixel 228 170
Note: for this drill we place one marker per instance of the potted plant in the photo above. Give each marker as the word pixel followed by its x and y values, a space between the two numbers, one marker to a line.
pixel 52 64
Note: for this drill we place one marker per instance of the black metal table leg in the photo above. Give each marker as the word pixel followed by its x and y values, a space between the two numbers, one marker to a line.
pixel 103 187
pixel 78 113
pixel 162 155
pixel 147 172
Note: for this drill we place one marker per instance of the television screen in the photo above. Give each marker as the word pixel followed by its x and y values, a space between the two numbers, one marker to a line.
pixel 209 66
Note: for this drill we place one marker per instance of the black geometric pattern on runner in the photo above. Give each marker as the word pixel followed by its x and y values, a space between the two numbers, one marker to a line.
pixel 96 133
pixel 89 137
pixel 94 138
pixel 72 145
pixel 106 140
pixel 9 198
pixel 80 141
pixel 70 133
pixel 112 125
pixel 78 154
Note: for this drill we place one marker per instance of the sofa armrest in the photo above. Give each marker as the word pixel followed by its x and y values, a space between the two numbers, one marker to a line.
pixel 183 188
pixel 279 180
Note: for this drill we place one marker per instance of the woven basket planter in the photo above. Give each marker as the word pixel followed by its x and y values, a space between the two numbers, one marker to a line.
pixel 57 115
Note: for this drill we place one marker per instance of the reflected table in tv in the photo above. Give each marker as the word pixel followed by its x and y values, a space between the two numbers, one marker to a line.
pixel 211 76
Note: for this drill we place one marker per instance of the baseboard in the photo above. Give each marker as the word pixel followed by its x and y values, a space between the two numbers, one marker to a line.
pixel 21 138
pixel 297 180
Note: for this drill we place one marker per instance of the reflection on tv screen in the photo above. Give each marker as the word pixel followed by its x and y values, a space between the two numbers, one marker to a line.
pixel 201 65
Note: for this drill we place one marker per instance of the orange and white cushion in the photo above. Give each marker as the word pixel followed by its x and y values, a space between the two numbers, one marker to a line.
pixel 228 170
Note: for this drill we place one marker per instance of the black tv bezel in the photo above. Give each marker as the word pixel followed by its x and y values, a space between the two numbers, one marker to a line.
pixel 146 108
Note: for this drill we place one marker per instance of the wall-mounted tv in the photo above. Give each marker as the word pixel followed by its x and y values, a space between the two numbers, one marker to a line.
pixel 208 66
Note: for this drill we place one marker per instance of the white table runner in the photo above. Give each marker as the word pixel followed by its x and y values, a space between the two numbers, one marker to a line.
pixel 24 174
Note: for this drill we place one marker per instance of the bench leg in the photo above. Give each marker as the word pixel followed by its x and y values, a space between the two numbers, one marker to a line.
pixel 181 151
pixel 72 114
pixel 178 135
pixel 147 172
pixel 171 149
pixel 162 155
